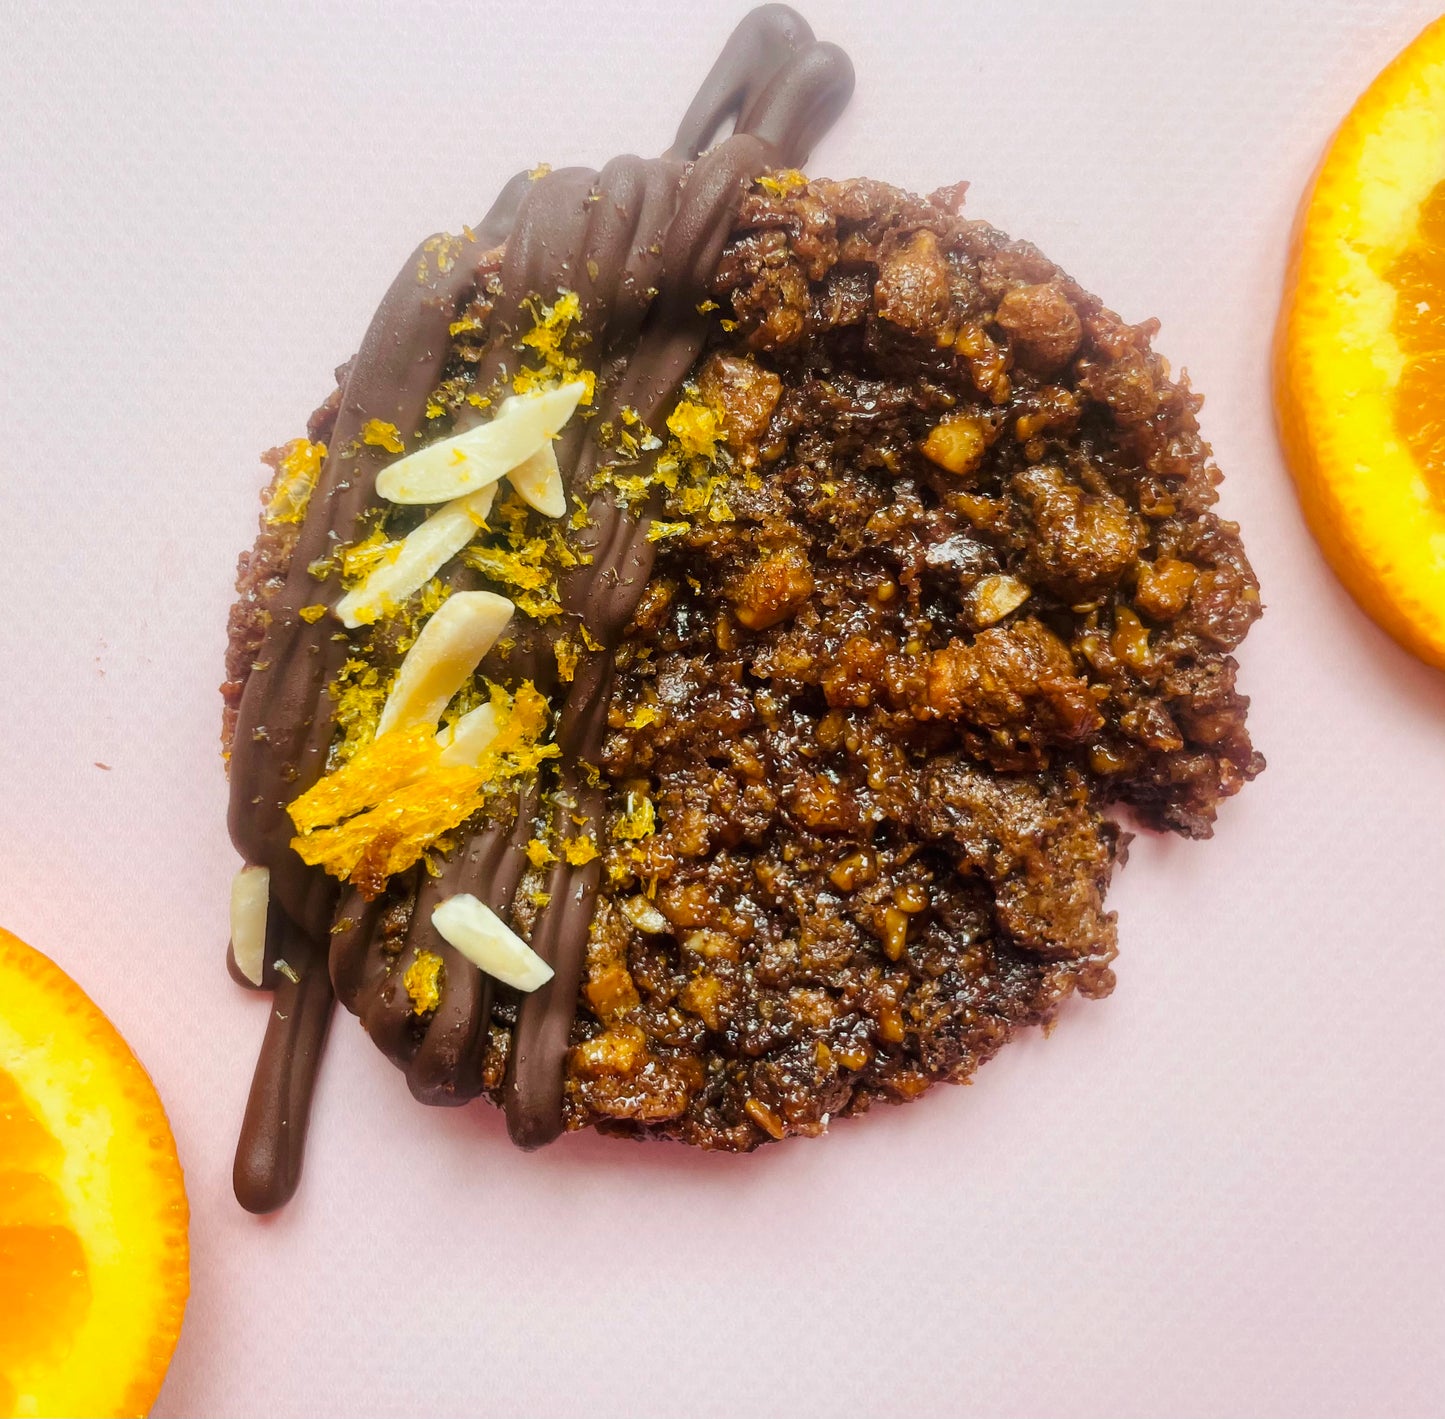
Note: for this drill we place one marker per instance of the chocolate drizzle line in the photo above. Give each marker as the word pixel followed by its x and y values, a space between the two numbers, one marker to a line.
pixel 638 242
pixel 273 1134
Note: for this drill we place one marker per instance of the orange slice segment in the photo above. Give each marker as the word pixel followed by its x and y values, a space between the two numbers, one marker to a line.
pixel 93 1251
pixel 1360 350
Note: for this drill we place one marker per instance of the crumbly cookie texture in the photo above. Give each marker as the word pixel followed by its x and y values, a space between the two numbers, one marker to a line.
pixel 938 579
pixel 972 589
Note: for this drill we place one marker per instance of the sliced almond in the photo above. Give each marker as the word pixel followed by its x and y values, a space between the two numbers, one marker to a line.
pixel 996 597
pixel 538 482
pixel 645 916
pixel 250 899
pixel 451 645
pixel 464 742
pixel 453 467
pixel 489 943
pixel 422 554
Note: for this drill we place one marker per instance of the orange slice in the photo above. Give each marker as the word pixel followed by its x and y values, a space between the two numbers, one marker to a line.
pixel 93 1252
pixel 1360 350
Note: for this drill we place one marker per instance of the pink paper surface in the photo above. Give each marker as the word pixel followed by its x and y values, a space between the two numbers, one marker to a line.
pixel 1217 1193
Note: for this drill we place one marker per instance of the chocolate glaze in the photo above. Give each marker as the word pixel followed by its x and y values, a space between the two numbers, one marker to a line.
pixel 273 1134
pixel 284 728
pixel 638 242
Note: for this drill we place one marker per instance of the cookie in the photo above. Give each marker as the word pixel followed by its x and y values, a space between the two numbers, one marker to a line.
pixel 684 672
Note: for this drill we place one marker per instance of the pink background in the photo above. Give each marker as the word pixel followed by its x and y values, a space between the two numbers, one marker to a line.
pixel 1217 1193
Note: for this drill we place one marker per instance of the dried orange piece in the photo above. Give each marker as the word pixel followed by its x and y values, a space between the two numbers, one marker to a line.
pixel 415 785
pixel 389 762
pixel 1360 353
pixel 387 839
pixel 93 1251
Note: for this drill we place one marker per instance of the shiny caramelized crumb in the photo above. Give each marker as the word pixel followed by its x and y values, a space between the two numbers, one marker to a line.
pixel 996 597
pixel 744 396
pixel 957 444
pixel 772 589
pixel 1163 587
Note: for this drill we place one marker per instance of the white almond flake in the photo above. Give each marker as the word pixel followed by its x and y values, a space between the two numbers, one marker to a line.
pixel 462 464
pixel 463 743
pixel 489 943
pixel 422 554
pixel 538 482
pixel 250 897
pixel 451 645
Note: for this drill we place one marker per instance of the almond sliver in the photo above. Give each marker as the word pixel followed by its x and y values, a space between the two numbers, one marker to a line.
pixel 538 482
pixel 423 553
pixel 250 900
pixel 463 743
pixel 489 943
pixel 453 467
pixel 451 645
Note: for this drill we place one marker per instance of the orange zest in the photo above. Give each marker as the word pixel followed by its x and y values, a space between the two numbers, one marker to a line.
pixel 389 838
pixel 93 1250
pixel 1360 350
pixel 391 762
pixel 381 810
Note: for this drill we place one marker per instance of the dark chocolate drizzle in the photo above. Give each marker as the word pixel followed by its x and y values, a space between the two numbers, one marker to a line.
pixel 273 1134
pixel 638 242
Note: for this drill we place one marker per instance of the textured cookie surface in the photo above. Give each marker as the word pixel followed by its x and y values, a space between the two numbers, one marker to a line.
pixel 684 672
pixel 942 582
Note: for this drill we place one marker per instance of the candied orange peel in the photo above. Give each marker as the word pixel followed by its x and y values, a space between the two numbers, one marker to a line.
pixel 379 812
pixel 391 836
pixel 383 766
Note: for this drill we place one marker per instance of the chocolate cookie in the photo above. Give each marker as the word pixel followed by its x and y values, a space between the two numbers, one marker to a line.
pixel 681 674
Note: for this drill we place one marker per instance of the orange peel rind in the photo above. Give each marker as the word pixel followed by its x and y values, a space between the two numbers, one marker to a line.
pixel 94 1263
pixel 1348 357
